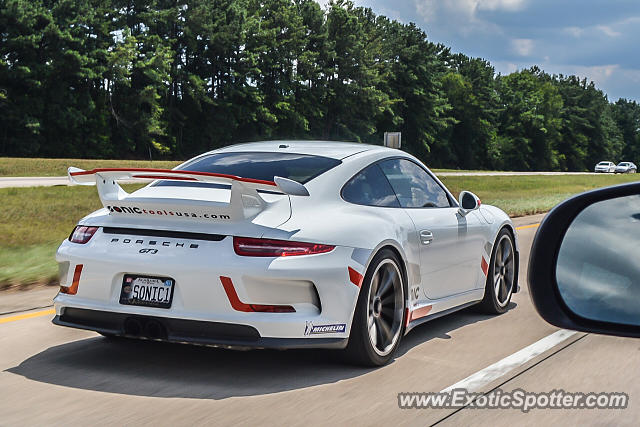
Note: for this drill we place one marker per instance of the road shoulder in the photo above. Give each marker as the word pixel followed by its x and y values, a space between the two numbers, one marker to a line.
pixel 16 300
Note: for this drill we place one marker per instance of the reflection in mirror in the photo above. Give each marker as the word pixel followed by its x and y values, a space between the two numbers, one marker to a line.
pixel 598 269
pixel 468 201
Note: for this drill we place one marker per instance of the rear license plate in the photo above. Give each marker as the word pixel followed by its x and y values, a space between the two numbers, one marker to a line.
pixel 147 291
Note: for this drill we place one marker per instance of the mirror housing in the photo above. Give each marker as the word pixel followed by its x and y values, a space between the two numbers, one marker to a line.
pixel 543 263
pixel 290 187
pixel 468 202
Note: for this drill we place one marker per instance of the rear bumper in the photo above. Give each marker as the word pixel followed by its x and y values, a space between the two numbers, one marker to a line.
pixel 318 286
pixel 215 334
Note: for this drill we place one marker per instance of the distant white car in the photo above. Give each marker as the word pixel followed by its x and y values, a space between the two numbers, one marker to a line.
pixel 626 167
pixel 605 167
pixel 283 245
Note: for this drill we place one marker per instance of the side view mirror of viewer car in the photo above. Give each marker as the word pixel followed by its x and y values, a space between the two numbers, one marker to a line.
pixel 584 268
pixel 468 202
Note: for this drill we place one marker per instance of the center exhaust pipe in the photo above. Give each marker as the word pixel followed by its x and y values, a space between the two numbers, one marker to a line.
pixel 132 327
pixel 154 330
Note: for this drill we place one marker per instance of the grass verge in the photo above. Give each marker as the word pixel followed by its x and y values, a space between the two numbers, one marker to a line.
pixel 528 195
pixel 14 166
pixel 33 221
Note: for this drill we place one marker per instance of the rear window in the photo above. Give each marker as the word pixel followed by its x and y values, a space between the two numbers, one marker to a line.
pixel 264 166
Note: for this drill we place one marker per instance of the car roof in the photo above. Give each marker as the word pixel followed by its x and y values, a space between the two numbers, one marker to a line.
pixel 332 149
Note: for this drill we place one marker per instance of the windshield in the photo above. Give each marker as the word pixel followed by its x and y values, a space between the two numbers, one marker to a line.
pixel 263 166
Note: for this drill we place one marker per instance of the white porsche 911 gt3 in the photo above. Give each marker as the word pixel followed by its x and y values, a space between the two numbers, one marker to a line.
pixel 284 244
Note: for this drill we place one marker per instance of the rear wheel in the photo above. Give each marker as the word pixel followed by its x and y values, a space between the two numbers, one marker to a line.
pixel 501 276
pixel 378 323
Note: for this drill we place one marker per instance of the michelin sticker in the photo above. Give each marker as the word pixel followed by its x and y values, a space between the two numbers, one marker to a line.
pixel 311 329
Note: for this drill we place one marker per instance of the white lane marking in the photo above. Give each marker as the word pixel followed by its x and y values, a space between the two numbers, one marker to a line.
pixel 490 373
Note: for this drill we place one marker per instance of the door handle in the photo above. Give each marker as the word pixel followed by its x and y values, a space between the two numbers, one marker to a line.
pixel 426 237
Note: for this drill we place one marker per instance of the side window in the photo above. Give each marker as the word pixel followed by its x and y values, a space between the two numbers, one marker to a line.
pixel 370 188
pixel 413 185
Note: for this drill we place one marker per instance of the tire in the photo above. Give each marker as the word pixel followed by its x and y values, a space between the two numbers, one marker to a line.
pixel 502 274
pixel 380 308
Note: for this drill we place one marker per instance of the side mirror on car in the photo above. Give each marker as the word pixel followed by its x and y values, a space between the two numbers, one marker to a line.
pixel 468 202
pixel 584 268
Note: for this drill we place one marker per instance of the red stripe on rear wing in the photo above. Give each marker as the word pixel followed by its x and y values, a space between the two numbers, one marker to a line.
pixel 169 174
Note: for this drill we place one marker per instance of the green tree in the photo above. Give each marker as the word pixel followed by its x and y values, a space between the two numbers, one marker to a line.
pixel 412 70
pixel 529 122
pixel 471 90
pixel 351 98
pixel 173 78
pixel 626 114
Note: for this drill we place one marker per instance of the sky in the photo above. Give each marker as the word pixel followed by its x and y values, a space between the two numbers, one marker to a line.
pixel 599 40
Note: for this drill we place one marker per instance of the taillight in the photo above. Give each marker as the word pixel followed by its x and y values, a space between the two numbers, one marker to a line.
pixel 248 246
pixel 82 234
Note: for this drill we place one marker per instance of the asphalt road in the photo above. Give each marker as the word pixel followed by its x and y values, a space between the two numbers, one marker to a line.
pixel 54 375
pixel 33 181
pixel 50 181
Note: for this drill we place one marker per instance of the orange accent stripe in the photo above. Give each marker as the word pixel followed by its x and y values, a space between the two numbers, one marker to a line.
pixel 355 277
pixel 174 172
pixel 485 266
pixel 238 305
pixel 73 289
pixel 418 313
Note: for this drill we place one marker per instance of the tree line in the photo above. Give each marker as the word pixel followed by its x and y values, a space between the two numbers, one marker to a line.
pixel 173 78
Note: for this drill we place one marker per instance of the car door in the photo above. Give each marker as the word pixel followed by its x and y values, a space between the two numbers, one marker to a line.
pixel 450 244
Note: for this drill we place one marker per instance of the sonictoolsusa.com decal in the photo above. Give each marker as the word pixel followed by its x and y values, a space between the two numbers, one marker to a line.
pixel 134 210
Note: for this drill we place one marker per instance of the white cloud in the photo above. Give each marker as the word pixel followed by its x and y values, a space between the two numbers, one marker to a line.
pixel 505 68
pixel 467 9
pixel 508 5
pixel 576 32
pixel 608 31
pixel 522 47
pixel 464 14
pixel 598 30
pixel 600 74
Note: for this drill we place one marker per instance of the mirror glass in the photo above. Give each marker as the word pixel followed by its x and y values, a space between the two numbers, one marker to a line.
pixel 598 267
pixel 468 201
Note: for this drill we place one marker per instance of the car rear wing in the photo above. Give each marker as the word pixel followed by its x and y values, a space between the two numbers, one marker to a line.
pixel 245 200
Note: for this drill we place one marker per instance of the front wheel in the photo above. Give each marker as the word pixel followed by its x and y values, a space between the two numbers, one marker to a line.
pixel 501 277
pixel 378 322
